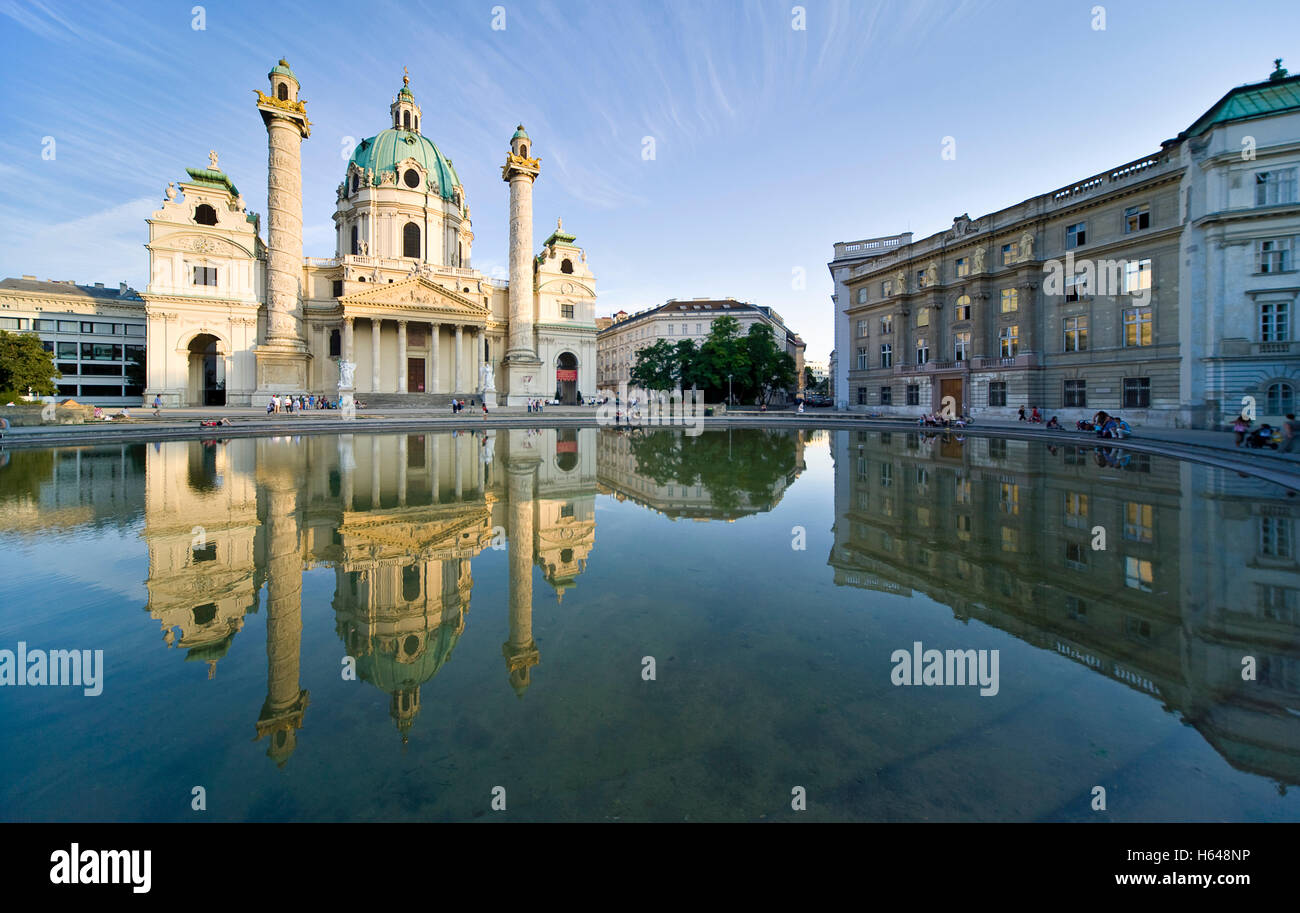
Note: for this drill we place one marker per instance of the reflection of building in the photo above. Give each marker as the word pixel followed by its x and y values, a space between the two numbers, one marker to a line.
pixel 694 477
pixel 399 519
pixel 1188 583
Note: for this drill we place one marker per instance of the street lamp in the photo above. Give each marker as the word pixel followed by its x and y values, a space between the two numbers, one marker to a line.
pixel 728 391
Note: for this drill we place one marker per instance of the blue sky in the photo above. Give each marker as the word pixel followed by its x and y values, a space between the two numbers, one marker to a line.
pixel 771 142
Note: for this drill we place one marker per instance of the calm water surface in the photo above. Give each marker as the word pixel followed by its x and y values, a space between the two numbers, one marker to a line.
pixel 501 596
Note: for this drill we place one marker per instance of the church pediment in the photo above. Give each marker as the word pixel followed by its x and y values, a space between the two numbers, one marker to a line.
pixel 417 293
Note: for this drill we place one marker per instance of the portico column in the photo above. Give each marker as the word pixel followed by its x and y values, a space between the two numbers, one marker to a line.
pixel 475 363
pixel 455 381
pixel 349 353
pixel 375 325
pixel 401 356
pixel 432 384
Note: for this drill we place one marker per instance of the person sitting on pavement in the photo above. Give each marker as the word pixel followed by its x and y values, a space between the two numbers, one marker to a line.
pixel 1053 423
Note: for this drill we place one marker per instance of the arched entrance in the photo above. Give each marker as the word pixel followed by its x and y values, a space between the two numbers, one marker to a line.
pixel 566 379
pixel 207 385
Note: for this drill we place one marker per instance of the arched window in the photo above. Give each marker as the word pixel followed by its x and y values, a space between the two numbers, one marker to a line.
pixel 282 92
pixel 356 242
pixel 411 240
pixel 406 120
pixel 566 265
pixel 523 149
pixel 412 178
pixel 411 584
pixel 1281 399
pixel 336 344
pixel 356 182
pixel 205 214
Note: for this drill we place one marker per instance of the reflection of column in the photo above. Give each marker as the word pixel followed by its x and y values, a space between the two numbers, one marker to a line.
pixel 455 382
pixel 347 465
pixel 431 464
pixel 455 449
pixel 401 356
pixel 282 713
pixel 374 472
pixel 375 325
pixel 519 650
pixel 401 469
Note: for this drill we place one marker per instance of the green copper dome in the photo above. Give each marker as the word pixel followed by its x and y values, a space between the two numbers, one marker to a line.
pixel 282 69
pixel 519 133
pixel 385 151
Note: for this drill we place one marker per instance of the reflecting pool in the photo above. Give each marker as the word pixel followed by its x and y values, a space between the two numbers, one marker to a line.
pixel 645 625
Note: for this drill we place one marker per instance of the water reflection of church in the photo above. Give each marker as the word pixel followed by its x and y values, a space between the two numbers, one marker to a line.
pixel 1199 569
pixel 398 519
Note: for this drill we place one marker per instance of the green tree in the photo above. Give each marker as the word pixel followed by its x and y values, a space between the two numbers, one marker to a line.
pixel 656 366
pixel 688 358
pixel 25 363
pixel 770 367
pixel 722 355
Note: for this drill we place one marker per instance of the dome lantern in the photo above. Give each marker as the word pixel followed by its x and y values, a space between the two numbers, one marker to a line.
pixel 406 113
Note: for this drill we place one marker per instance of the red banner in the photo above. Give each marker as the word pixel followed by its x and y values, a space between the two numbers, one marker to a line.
pixel 563 374
pixel 566 446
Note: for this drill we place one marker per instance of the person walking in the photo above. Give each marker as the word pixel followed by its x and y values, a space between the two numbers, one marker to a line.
pixel 157 403
pixel 1022 414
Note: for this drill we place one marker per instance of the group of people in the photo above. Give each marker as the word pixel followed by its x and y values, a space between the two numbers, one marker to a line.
pixel 1105 425
pixel 1034 416
pixel 300 403
pixel 938 420
pixel 458 406
pixel 535 405
pixel 1266 435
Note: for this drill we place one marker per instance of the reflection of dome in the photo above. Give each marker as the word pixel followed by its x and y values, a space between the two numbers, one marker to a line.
pixel 389 148
pixel 385 669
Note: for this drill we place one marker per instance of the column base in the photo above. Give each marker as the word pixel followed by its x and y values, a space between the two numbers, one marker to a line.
pixel 280 369
pixel 524 379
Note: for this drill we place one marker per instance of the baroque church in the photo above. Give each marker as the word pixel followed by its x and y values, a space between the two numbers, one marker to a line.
pixel 397 310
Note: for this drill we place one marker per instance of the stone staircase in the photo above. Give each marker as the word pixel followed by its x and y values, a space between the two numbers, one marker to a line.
pixel 439 402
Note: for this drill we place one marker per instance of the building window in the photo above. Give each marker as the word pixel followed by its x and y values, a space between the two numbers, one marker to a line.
pixel 862 358
pixel 1009 341
pixel 914 394
pixel 1137 574
pixel 1075 515
pixel 205 214
pixel 1076 393
pixel 1280 399
pixel 411 240
pixel 963 266
pixel 67 350
pixel 566 311
pixel 1010 300
pixel 1008 254
pixel 1275 321
pixel 998 393
pixel 886 398
pixel 997 448
pixel 1137 327
pixel 886 288
pixel 1139 522
pixel 862 327
pixel 961 345
pixel 1137 218
pixel 1076 235
pixel 1137 275
pixel 962 311
pixel 886 325
pixel 1076 334
pixel 336 344
pixel 698 331
pixel 336 288
pixel 886 356
pixel 1275 537
pixel 862 396
pixel 203 275
pixel 282 91
pixel 1273 255
pixel 1137 392
pixel 1076 287
pixel 922 350
pixel 923 317
pixel 1274 187
pixel 862 295
pixel 411 177
pixel 98 351
pixel 1075 556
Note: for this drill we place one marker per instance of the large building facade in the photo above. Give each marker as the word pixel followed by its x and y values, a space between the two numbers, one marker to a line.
pixel 624 335
pixel 1162 288
pixel 233 318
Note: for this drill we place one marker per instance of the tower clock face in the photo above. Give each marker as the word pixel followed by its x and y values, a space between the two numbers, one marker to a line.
pixel 412 178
